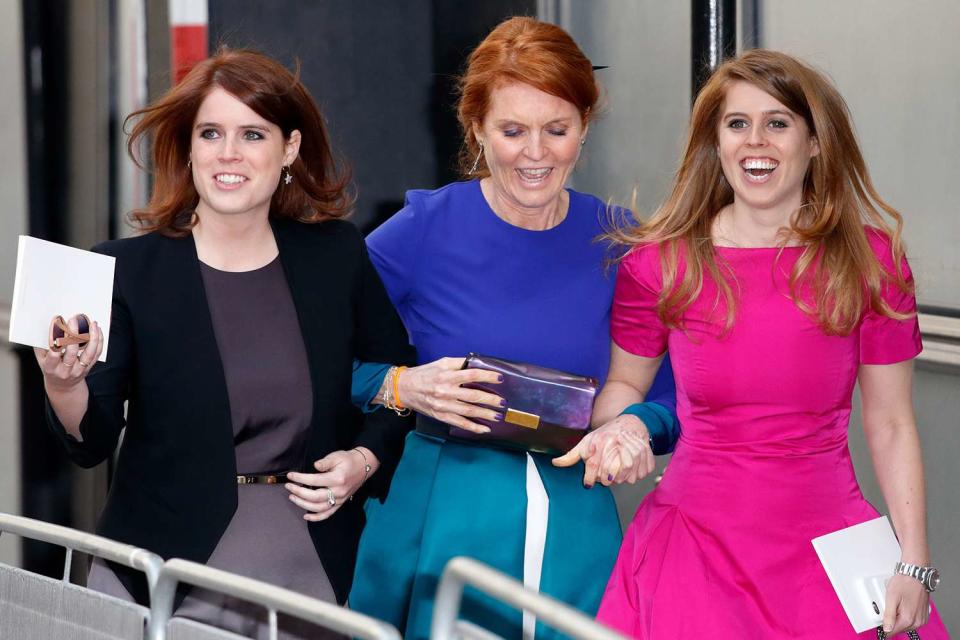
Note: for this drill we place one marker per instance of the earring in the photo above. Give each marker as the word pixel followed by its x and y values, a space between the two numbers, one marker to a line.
pixel 189 163
pixel 287 177
pixel 476 162
pixel 583 141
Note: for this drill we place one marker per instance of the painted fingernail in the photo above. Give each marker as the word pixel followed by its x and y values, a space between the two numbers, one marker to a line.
pixel 498 417
pixel 609 477
pixel 499 377
pixel 503 402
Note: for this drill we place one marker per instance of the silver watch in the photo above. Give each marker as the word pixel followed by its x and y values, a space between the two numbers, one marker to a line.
pixel 928 576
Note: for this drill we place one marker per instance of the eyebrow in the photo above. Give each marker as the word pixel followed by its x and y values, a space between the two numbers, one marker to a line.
pixel 769 112
pixel 554 121
pixel 258 127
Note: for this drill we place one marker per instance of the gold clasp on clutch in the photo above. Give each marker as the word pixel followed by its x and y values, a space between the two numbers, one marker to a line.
pixel 522 419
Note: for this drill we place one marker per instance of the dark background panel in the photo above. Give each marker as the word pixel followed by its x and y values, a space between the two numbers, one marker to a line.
pixel 383 73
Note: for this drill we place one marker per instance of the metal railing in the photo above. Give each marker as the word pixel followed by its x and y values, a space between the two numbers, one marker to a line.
pixel 462 571
pixel 94 545
pixel 274 599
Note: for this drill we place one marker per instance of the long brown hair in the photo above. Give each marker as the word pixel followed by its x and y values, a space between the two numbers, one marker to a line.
pixel 525 50
pixel 320 186
pixel 837 267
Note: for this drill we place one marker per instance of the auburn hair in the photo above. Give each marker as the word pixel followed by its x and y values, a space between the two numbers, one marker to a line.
pixel 522 49
pixel 838 273
pixel 321 184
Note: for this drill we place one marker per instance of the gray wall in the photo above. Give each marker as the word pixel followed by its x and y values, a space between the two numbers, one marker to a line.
pixel 13 221
pixel 896 65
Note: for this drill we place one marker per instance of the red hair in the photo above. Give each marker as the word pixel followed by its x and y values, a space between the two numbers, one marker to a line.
pixel 525 50
pixel 320 184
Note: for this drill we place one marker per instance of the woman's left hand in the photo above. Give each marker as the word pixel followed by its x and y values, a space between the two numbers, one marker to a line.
pixel 339 476
pixel 907 606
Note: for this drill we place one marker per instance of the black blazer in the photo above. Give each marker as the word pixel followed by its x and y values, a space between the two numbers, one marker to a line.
pixel 174 489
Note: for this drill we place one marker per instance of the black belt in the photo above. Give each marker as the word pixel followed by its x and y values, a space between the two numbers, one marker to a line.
pixel 432 427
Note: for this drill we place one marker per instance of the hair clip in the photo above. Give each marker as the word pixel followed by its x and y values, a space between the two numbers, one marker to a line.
pixel 62 335
pixel 598 67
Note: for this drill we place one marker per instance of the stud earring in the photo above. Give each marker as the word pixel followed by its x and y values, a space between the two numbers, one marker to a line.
pixel 583 141
pixel 287 176
pixel 189 163
pixel 476 162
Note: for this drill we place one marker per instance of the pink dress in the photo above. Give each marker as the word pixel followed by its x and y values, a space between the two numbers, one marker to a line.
pixel 721 548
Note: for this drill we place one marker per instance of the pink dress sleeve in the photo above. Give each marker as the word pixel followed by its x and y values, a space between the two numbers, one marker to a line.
pixel 634 324
pixel 884 340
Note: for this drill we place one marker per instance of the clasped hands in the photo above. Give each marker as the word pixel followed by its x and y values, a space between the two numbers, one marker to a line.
pixel 615 453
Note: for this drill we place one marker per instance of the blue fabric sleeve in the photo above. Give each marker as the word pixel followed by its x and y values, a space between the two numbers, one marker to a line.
pixel 394 249
pixel 659 410
pixel 366 382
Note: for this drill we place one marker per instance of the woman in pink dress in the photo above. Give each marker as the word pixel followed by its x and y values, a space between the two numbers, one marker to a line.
pixel 775 275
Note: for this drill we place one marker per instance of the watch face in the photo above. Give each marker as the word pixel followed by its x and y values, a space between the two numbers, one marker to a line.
pixel 933 579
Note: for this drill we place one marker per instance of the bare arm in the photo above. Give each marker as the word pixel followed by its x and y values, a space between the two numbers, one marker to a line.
pixel 891 433
pixel 628 381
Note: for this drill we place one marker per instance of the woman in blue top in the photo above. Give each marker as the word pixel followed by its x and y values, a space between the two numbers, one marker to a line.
pixel 506 266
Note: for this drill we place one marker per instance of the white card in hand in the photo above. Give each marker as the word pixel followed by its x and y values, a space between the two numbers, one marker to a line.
pixel 859 560
pixel 56 280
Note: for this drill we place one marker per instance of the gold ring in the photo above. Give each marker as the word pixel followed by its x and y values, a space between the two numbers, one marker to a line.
pixel 82 363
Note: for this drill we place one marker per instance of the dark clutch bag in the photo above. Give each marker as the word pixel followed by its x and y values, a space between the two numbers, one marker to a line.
pixel 548 411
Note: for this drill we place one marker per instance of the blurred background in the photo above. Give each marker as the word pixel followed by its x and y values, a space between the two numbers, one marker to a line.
pixel 383 72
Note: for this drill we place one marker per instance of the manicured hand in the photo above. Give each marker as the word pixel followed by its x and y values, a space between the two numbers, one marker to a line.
pixel 436 390
pixel 618 451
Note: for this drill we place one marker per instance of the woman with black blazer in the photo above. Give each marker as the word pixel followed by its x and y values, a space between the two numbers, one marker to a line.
pixel 236 320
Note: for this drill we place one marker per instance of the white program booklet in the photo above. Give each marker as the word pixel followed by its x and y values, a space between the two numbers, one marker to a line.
pixel 859 560
pixel 56 280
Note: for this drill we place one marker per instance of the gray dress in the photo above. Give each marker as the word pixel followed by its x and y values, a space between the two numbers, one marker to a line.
pixel 268 383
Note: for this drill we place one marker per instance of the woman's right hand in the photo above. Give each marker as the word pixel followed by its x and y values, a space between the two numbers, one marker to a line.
pixel 64 372
pixel 65 369
pixel 435 389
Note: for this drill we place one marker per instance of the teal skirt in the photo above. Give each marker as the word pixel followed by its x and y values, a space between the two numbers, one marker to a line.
pixel 449 499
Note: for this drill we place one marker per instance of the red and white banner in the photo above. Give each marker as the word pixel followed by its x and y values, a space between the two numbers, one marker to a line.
pixel 188 36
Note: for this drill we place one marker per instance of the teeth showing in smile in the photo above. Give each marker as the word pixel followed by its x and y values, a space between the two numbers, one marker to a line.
pixel 759 168
pixel 230 178
pixel 534 175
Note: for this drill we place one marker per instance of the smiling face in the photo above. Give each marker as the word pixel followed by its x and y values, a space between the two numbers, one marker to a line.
pixel 236 157
pixel 765 150
pixel 531 141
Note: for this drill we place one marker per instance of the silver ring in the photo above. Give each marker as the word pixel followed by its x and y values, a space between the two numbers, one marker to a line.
pixel 331 499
